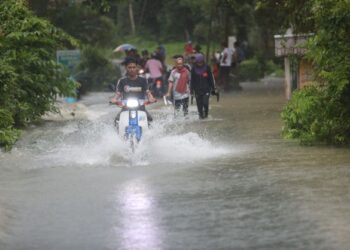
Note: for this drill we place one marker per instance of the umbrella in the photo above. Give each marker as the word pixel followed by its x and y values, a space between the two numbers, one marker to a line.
pixel 124 47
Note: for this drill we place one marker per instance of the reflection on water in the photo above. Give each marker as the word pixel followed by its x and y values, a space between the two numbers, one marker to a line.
pixel 138 219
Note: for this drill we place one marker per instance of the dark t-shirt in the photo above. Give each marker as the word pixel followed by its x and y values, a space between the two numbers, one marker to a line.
pixel 132 88
pixel 202 83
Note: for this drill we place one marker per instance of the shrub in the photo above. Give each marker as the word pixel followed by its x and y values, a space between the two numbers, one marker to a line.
pixel 8 134
pixel 316 115
pixel 250 70
pixel 274 69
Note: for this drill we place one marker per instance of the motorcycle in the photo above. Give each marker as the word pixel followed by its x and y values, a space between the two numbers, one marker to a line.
pixel 133 121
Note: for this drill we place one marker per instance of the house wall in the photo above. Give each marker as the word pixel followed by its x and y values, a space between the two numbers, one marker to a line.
pixel 305 73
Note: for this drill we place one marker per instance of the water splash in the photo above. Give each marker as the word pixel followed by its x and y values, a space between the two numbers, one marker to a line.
pixel 94 142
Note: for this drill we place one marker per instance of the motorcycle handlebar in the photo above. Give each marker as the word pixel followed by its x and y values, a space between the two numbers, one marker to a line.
pixel 122 103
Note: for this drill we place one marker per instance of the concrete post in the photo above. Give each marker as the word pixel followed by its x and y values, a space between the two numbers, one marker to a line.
pixel 288 78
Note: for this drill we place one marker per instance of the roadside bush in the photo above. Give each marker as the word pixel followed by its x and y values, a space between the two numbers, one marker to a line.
pixel 274 69
pixel 8 134
pixel 250 70
pixel 316 115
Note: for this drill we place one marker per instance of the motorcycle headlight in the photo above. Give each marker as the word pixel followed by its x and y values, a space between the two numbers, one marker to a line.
pixel 132 103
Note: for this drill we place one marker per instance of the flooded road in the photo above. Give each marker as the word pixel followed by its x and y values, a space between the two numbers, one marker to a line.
pixel 229 182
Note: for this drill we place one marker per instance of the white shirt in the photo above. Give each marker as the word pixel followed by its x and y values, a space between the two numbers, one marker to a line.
pixel 228 52
pixel 174 78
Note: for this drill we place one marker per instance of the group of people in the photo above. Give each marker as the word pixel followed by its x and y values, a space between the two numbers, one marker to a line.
pixel 185 79
pixel 191 80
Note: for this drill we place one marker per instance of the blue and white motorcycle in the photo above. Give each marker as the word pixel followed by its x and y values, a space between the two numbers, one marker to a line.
pixel 133 121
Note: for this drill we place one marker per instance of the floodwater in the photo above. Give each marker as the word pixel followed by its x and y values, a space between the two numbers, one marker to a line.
pixel 228 182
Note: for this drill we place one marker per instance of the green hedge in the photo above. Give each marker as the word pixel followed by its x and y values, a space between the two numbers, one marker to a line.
pixel 254 69
pixel 250 70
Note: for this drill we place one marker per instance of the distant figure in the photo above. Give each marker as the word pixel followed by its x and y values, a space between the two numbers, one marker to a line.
pixel 188 51
pixel 144 58
pixel 132 53
pixel 225 66
pixel 155 68
pixel 161 54
pixel 197 49
pixel 202 85
pixel 237 57
pixel 179 85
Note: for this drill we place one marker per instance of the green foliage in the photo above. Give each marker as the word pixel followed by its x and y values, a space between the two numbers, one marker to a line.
pixel 254 69
pixel 250 70
pixel 30 79
pixel 322 114
pixel 274 69
pixel 315 115
pixel 283 14
pixel 95 71
pixel 8 134
pixel 169 18
pixel 300 116
pixel 87 25
pixel 329 49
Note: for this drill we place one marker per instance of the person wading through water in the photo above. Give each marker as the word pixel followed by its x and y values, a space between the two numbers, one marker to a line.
pixel 202 85
pixel 179 84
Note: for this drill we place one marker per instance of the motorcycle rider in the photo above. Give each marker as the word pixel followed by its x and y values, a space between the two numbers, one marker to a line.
pixel 132 85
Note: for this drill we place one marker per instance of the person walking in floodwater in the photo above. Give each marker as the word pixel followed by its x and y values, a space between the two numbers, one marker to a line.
pixel 202 85
pixel 225 66
pixel 179 85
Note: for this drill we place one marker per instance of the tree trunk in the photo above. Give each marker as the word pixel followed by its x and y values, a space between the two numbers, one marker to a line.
pixel 226 25
pixel 142 12
pixel 212 11
pixel 131 16
pixel 187 35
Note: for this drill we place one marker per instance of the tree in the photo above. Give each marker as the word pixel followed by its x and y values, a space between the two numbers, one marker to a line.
pixel 131 16
pixel 30 78
pixel 321 113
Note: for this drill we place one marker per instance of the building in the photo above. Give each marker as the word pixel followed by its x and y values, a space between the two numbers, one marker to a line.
pixel 298 70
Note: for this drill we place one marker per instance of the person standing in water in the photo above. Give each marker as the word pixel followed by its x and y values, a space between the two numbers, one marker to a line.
pixel 202 85
pixel 179 85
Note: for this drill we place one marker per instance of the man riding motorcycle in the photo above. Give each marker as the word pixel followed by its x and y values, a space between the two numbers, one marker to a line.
pixel 132 85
